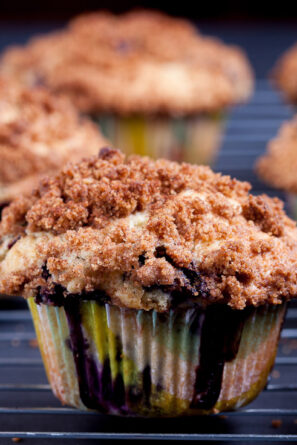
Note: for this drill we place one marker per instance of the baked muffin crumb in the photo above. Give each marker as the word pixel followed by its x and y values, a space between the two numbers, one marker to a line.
pixel 149 234
pixel 139 62
pixel 38 134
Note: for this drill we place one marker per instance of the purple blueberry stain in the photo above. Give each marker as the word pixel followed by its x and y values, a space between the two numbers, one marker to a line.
pixel 13 242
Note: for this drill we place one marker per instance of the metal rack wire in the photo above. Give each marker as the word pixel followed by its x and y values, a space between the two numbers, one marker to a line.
pixel 28 409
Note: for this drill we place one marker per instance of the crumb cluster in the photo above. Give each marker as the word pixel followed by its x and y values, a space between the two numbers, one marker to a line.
pixel 147 233
pixel 278 166
pixel 139 62
pixel 38 134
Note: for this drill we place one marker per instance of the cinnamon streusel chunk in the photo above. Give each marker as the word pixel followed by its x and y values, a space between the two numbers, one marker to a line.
pixel 38 134
pixel 139 62
pixel 148 234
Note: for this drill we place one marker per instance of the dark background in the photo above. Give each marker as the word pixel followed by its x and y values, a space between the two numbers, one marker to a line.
pixel 227 9
pixel 263 30
pixel 250 24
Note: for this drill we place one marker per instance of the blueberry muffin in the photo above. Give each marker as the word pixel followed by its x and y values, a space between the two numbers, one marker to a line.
pixel 278 166
pixel 156 288
pixel 38 134
pixel 285 74
pixel 155 84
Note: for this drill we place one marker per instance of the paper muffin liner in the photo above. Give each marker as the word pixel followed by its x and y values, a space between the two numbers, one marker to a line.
pixel 194 139
pixel 131 362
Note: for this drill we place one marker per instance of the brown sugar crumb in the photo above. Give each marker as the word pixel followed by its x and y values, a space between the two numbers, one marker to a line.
pixel 33 343
pixel 289 346
pixel 264 214
pixel 146 233
pixel 275 374
pixel 39 133
pixel 276 423
pixel 278 166
pixel 128 57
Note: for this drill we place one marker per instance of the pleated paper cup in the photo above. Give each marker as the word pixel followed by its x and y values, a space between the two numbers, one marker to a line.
pixel 131 362
pixel 194 139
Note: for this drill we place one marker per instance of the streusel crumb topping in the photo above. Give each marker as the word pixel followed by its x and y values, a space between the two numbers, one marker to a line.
pixel 285 74
pixel 278 166
pixel 139 62
pixel 149 234
pixel 38 134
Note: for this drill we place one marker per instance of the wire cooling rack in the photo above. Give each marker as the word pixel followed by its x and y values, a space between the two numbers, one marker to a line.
pixel 29 411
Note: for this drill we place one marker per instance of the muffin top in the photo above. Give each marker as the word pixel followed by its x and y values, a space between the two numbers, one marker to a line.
pixel 139 62
pixel 147 234
pixel 285 74
pixel 278 166
pixel 38 133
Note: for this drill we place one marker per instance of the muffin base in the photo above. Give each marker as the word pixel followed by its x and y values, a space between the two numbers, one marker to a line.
pixel 131 362
pixel 193 139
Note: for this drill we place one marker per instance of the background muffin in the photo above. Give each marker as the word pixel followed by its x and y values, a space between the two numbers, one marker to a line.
pixel 155 288
pixel 278 166
pixel 38 134
pixel 285 74
pixel 155 85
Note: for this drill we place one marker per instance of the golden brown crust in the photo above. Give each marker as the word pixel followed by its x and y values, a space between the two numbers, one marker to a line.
pixel 285 74
pixel 140 62
pixel 278 166
pixel 148 233
pixel 38 134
